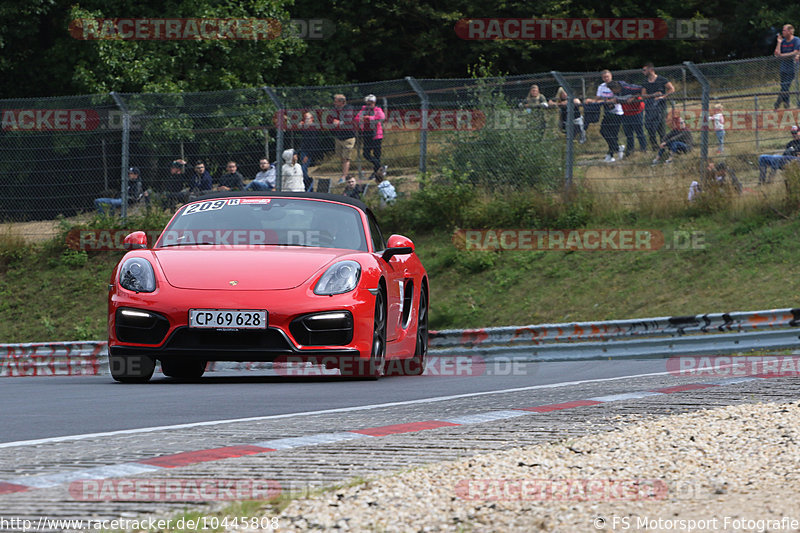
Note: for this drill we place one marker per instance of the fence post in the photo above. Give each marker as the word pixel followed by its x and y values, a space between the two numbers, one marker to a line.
pixel 126 137
pixel 568 127
pixel 755 118
pixel 796 83
pixel 704 112
pixel 278 137
pixel 423 132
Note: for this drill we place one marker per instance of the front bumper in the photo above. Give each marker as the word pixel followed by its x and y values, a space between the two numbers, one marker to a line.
pixel 156 324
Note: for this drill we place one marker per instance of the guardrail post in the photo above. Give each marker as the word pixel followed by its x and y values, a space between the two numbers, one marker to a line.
pixel 278 137
pixel 569 156
pixel 704 112
pixel 126 137
pixel 423 133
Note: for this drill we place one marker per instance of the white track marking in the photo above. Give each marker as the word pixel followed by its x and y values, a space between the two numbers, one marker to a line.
pixel 67 438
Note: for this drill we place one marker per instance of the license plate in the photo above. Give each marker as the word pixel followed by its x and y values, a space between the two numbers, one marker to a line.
pixel 228 318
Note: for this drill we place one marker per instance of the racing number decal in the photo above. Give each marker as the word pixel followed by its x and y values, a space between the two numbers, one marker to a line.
pixel 205 206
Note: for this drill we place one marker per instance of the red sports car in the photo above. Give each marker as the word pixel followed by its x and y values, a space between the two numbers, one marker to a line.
pixel 286 277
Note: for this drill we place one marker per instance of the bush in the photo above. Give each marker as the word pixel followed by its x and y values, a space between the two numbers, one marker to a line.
pixel 791 176
pixel 512 150
pixel 12 247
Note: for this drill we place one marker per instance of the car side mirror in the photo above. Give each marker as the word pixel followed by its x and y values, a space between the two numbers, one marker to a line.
pixel 398 245
pixel 135 240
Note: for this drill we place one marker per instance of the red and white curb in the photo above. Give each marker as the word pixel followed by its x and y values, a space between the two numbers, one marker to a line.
pixel 178 460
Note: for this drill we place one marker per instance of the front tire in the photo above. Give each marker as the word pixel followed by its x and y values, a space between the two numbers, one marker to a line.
pixel 183 368
pixel 375 366
pixel 131 368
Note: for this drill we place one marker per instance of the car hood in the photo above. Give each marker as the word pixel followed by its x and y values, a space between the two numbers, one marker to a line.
pixel 267 268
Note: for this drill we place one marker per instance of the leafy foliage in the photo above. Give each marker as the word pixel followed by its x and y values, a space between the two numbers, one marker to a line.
pixel 373 40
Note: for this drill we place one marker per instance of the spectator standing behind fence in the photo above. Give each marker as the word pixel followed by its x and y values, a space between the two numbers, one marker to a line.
pixel 534 105
pixel 679 140
pixel 719 127
pixel 201 181
pixel 340 120
pixel 656 90
pixel 231 179
pixel 291 173
pixel 788 50
pixel 534 100
pixel 309 148
pixel 265 178
pixel 612 117
pixel 370 124
pixel 777 162
pixel 136 193
pixel 560 100
pixel 630 97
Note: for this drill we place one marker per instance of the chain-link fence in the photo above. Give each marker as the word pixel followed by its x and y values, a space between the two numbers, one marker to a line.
pixel 58 156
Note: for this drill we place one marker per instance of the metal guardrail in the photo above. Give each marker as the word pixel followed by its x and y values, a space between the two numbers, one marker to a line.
pixel 644 337
pixel 662 336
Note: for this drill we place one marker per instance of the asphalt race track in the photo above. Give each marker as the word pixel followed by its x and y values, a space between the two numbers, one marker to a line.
pixel 301 432
pixel 41 407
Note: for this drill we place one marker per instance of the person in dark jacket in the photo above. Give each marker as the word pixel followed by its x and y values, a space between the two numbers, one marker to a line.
pixel 136 193
pixel 231 179
pixel 353 189
pixel 630 96
pixel 678 141
pixel 201 182
pixel 777 162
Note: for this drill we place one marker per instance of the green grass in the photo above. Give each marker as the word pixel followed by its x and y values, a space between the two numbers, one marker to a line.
pixel 48 293
pixel 745 265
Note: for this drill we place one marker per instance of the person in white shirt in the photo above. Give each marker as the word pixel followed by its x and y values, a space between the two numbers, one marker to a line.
pixel 386 190
pixel 719 127
pixel 291 173
pixel 612 118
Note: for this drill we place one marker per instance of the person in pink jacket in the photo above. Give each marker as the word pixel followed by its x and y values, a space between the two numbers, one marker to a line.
pixel 370 125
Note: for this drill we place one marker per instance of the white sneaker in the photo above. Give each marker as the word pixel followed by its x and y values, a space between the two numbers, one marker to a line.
pixel 609 158
pixel 621 153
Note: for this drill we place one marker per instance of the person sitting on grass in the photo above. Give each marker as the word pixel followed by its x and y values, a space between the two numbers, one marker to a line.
pixel 386 191
pixel 678 141
pixel 136 193
pixel 777 162
pixel 718 178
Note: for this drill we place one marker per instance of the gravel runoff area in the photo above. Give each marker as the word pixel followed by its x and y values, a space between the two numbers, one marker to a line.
pixel 735 468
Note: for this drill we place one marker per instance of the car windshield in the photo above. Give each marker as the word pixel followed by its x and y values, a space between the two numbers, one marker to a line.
pixel 254 221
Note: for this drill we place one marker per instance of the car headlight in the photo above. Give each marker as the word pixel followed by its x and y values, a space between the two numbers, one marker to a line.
pixel 137 275
pixel 339 278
